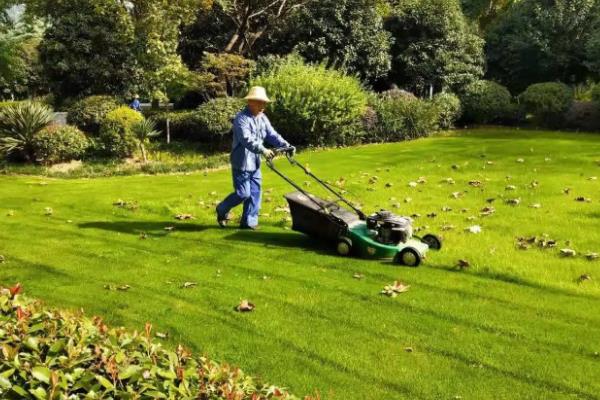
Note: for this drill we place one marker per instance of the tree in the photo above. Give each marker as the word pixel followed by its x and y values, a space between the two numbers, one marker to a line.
pixel 157 25
pixel 236 25
pixel 88 48
pixel 433 45
pixel 542 40
pixel 345 34
pixel 485 12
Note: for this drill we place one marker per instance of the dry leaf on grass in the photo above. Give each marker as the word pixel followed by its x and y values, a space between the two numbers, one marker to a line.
pixel 2 259
pixel 189 285
pixel 358 276
pixel 475 183
pixel 184 217
pixel 487 211
pixel 143 235
pixel 475 229
pixel 568 253
pixel 584 277
pixel 589 256
pixel 510 187
pixel 10 213
pixel 413 184
pixel 48 211
pixel 161 335
pixel 120 288
pixel 535 205
pixel 449 181
pixel 169 228
pixel 245 306
pixel 395 289
pixel 463 264
pixel 513 202
pixel 448 227
pixel 582 199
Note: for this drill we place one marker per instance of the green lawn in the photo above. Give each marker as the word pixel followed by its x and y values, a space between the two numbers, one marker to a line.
pixel 516 324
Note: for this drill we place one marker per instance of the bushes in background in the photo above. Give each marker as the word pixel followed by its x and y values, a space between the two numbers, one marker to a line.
pixel 87 114
pixel 116 135
pixel 547 102
pixel 57 144
pixel 56 354
pixel 449 109
pixel 487 102
pixel 402 118
pixel 19 124
pixel 314 105
pixel 215 117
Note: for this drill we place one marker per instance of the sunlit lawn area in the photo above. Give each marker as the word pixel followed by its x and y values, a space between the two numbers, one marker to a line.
pixel 518 323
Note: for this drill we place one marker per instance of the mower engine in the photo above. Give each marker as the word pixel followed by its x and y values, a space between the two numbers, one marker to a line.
pixel 390 229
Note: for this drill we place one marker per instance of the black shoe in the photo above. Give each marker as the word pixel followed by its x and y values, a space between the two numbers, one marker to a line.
pixel 250 228
pixel 223 220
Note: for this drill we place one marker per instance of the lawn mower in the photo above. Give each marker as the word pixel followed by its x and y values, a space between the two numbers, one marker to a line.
pixel 381 235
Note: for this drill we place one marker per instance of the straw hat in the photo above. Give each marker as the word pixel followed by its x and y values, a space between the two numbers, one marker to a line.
pixel 258 93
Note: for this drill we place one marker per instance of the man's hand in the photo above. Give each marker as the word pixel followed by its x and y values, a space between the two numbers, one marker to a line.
pixel 292 151
pixel 269 154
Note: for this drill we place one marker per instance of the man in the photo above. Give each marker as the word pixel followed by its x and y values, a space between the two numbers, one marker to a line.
pixel 135 104
pixel 251 130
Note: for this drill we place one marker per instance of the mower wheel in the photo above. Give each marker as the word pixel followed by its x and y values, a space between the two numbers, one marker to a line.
pixel 344 246
pixel 409 257
pixel 434 242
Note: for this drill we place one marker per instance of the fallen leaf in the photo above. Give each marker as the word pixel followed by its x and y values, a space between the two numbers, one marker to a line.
pixel 48 211
pixel 593 178
pixel 536 205
pixel 513 202
pixel 584 277
pixel 161 335
pixel 213 193
pixel 475 229
pixel 10 213
pixel 422 180
pixel 475 183
pixel 487 211
pixel 456 195
pixel 534 184
pixel 582 199
pixel 511 187
pixel 448 227
pixel 446 209
pixel 394 289
pixel 389 185
pixel 2 259
pixel 407 200
pixel 189 285
pixel 490 200
pixel 432 215
pixel 408 349
pixel 567 190
pixel 413 184
pixel 245 306
pixel 358 276
pixel 592 256
pixel 463 264
pixel 184 217
pixel 449 181
pixel 520 160
pixel 169 228
pixel 456 167
pixel 143 235
pixel 568 253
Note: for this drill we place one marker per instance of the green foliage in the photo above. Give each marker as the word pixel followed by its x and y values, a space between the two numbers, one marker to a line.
pixel 315 105
pixel 116 132
pixel 143 131
pixel 183 124
pixel 56 144
pixel 88 113
pixel 433 45
pixel 485 12
pixel 88 48
pixel 548 102
pixel 72 356
pixel 215 117
pixel 595 94
pixel 487 102
pixel 19 124
pixel 449 108
pixel 548 40
pixel 228 74
pixel 403 118
pixel 583 116
pixel 343 34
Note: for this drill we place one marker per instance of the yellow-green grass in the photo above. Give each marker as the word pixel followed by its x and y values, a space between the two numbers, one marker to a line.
pixel 516 324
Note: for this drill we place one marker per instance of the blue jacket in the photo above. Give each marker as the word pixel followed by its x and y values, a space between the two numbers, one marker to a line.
pixel 136 105
pixel 250 133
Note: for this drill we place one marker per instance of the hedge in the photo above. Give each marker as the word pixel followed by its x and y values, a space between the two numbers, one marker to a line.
pixel 87 114
pixel 52 354
pixel 486 102
pixel 402 118
pixel 116 136
pixel 548 102
pixel 59 144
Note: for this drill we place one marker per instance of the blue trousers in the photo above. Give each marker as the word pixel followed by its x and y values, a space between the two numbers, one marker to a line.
pixel 247 187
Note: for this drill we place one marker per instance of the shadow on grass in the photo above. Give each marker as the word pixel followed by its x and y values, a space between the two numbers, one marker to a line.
pixel 282 239
pixel 136 227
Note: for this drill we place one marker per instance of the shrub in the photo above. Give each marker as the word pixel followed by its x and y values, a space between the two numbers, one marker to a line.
pixel 59 144
pixel 402 119
pixel 215 117
pixel 315 105
pixel 487 102
pixel 4 104
pixel 184 125
pixel 583 115
pixel 449 109
pixel 548 102
pixel 72 356
pixel 116 135
pixel 19 124
pixel 143 131
pixel 87 114
pixel 595 93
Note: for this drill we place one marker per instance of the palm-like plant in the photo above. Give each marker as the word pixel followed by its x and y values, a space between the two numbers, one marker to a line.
pixel 18 126
pixel 143 131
